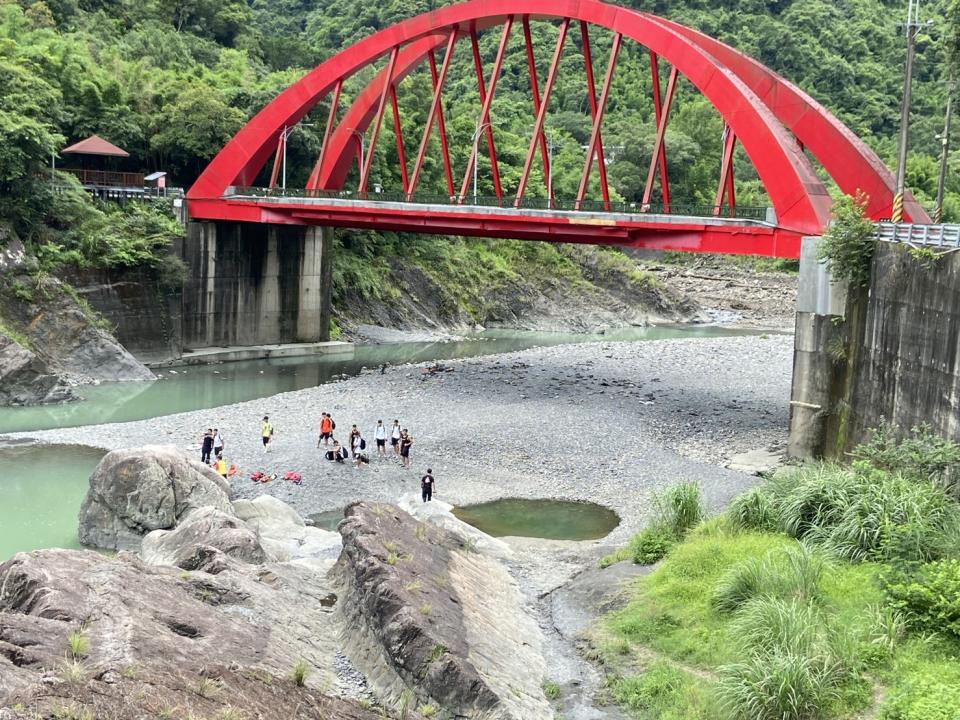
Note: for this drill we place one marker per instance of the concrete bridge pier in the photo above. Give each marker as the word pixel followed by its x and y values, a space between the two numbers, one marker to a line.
pixel 820 374
pixel 254 284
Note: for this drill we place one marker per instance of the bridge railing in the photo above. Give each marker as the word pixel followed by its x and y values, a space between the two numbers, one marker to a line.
pixel 945 236
pixel 526 203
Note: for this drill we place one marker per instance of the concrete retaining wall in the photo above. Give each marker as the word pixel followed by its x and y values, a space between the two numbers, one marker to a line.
pixel 908 370
pixel 892 353
pixel 144 311
pixel 255 284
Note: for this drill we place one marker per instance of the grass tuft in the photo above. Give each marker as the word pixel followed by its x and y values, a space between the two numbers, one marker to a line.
pixel 299 673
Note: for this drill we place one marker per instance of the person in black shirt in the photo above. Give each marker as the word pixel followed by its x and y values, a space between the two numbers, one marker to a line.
pixel 207 446
pixel 426 485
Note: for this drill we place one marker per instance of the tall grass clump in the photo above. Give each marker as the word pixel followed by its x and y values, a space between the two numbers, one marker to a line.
pixel 677 511
pixel 863 513
pixel 755 509
pixel 780 686
pixel 789 573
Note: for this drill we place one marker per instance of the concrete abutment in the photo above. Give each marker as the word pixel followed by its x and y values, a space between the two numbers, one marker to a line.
pixel 253 284
pixel 890 352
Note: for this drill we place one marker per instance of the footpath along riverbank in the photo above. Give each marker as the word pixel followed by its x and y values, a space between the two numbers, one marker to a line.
pixel 612 423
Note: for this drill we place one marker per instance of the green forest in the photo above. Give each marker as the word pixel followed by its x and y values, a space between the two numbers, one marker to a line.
pixel 171 81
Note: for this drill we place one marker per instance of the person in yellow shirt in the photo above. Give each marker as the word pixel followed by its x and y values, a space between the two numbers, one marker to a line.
pixel 266 432
pixel 220 466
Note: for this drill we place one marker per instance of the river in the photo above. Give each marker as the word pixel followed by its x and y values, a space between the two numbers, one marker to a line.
pixel 44 485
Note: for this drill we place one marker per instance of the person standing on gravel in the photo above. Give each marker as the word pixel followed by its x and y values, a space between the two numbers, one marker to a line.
pixel 406 440
pixel 266 433
pixel 395 439
pixel 326 429
pixel 217 442
pixel 206 446
pixel 380 435
pixel 353 442
pixel 426 486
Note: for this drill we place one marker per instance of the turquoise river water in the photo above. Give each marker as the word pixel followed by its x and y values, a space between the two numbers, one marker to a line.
pixel 42 486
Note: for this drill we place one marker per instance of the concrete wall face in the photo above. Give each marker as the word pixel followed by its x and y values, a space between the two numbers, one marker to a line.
pixel 253 284
pixel 144 311
pixel 908 370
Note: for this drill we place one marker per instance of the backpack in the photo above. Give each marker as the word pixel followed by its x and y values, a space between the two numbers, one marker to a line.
pixel 363 444
pixel 333 424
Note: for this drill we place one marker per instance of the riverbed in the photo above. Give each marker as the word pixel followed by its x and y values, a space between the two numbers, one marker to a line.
pixel 608 422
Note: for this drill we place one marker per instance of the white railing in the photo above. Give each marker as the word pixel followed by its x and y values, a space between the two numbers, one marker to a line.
pixel 945 236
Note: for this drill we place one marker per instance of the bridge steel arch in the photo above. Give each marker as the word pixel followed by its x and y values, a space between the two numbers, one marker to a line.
pixel 766 114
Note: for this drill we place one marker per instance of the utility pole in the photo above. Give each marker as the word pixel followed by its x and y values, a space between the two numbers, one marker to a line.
pixel 912 26
pixel 944 153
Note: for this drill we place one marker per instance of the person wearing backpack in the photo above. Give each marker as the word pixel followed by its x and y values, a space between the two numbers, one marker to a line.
pixel 353 442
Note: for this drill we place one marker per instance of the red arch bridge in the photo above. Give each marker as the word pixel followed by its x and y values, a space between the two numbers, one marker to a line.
pixel 782 130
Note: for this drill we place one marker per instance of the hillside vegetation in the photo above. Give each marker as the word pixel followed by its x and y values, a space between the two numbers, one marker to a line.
pixel 172 80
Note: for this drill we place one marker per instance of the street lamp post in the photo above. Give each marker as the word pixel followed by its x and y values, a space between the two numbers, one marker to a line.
pixel 944 153
pixel 912 26
pixel 476 160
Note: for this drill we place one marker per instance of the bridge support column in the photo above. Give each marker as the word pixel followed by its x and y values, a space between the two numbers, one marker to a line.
pixel 828 316
pixel 251 284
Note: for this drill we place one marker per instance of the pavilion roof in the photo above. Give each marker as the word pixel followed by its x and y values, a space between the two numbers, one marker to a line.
pixel 95 145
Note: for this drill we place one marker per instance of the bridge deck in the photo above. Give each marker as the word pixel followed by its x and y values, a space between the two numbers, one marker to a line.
pixel 654 230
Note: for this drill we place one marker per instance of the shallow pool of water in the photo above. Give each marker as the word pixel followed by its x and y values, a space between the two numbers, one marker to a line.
pixel 206 386
pixel 550 519
pixel 41 489
pixel 327 520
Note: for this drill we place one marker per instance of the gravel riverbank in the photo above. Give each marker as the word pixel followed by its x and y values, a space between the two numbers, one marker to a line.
pixel 607 422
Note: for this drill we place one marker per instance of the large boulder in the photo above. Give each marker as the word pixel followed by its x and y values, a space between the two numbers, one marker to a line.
pixel 133 492
pixel 25 379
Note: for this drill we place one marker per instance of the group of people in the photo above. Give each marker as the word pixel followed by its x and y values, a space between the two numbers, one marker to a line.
pixel 355 448
pixel 211 444
pixel 356 445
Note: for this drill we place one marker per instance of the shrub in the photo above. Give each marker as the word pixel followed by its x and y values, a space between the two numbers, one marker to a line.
pixel 923 455
pixel 929 596
pixel 651 544
pixel 779 687
pixel 924 697
pixel 793 572
pixel 848 243
pixel 78 643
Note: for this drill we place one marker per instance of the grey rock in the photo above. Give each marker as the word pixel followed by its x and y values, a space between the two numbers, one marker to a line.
pixel 202 536
pixel 133 492
pixel 25 379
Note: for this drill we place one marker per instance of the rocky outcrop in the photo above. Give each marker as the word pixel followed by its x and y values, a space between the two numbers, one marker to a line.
pixel 201 540
pixel 429 614
pixel 25 379
pixel 133 492
pixel 48 340
pixel 282 532
pixel 161 642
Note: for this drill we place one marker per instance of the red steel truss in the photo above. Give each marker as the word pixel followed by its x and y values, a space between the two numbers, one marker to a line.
pixel 775 124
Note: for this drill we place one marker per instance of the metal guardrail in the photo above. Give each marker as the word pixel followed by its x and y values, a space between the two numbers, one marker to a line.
pixel 509 203
pixel 942 236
